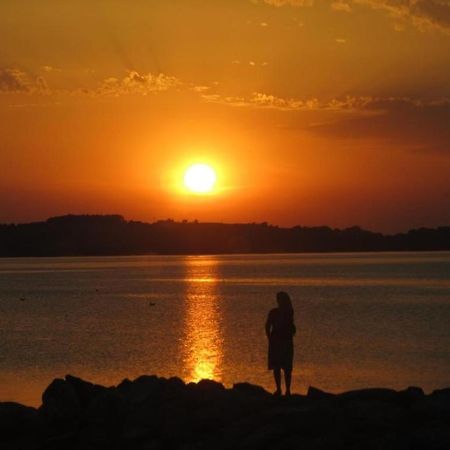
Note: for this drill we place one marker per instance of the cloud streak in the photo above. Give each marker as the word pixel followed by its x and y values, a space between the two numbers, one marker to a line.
pixel 406 122
pixel 136 83
pixel 400 122
pixel 289 2
pixel 423 14
pixel 269 101
pixel 340 5
pixel 17 81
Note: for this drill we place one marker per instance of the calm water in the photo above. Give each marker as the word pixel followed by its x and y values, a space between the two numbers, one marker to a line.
pixel 362 319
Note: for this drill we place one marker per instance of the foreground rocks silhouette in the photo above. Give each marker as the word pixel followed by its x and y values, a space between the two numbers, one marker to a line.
pixel 152 413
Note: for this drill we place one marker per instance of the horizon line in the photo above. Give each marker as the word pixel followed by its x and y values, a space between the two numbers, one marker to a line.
pixel 198 222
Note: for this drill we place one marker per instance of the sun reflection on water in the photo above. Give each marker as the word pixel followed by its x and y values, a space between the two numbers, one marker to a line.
pixel 203 342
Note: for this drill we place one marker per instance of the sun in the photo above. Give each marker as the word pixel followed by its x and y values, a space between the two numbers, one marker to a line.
pixel 200 178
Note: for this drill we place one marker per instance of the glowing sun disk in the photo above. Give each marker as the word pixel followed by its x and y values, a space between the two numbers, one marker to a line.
pixel 200 178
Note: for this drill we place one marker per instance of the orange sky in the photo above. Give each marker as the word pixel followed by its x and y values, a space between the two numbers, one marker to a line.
pixel 312 112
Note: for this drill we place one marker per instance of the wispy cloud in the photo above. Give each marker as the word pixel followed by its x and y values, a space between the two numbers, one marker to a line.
pixel 340 5
pixel 289 2
pixel 401 122
pixel 270 101
pixel 410 123
pixel 423 14
pixel 13 80
pixel 136 83
pixel 49 69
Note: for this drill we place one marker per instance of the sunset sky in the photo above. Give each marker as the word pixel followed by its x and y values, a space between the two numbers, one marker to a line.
pixel 312 112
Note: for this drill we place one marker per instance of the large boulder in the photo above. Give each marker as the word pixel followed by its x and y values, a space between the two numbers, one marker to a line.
pixel 84 390
pixel 372 394
pixel 158 408
pixel 209 387
pixel 264 437
pixel 17 421
pixel 173 388
pixel 411 395
pixel 60 404
pixel 250 389
pixel 104 420
pixel 432 408
pixel 431 437
pixel 317 394
pixel 371 417
pixel 144 421
pixel 205 392
pixel 142 388
pixel 440 399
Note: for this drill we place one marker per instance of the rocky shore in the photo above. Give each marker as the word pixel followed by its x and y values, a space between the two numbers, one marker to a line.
pixel 152 413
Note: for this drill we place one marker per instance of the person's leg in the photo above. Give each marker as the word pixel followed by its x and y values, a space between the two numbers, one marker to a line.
pixel 287 380
pixel 277 378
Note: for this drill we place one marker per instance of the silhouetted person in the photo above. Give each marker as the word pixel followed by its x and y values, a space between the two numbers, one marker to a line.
pixel 280 330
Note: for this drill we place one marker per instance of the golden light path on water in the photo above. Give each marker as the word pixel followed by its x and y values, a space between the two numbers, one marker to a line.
pixel 203 340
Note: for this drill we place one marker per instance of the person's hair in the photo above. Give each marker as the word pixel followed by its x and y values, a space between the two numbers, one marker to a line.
pixel 284 302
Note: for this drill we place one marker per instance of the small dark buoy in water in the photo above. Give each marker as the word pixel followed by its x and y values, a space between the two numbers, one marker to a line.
pixel 151 304
pixel 22 299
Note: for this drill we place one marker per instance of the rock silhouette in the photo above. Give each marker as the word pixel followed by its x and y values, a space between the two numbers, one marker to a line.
pixel 159 413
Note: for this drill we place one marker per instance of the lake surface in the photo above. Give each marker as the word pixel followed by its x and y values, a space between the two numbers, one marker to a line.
pixel 362 319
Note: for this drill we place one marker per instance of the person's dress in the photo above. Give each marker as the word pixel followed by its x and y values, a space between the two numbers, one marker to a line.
pixel 281 345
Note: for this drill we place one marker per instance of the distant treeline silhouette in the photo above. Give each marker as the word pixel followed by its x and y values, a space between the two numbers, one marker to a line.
pixel 113 235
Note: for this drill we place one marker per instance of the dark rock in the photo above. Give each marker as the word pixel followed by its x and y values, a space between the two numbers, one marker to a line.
pixel 141 388
pixel 432 408
pixel 318 394
pixel 173 388
pixel 440 402
pixel 441 395
pixel 411 395
pixel 66 441
pixel 250 389
pixel 152 444
pixel 152 413
pixel 16 420
pixel 324 442
pixel 204 393
pixel 210 386
pixel 262 437
pixel 373 394
pixel 308 421
pixel 107 410
pixel 143 422
pixel 431 438
pixel 370 416
pixel 104 420
pixel 60 404
pixel 84 390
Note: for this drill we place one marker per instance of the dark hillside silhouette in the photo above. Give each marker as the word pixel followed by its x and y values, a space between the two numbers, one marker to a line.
pixel 113 235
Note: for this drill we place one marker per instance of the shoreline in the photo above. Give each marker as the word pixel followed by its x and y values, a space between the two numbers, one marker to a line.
pixel 306 253
pixel 114 235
